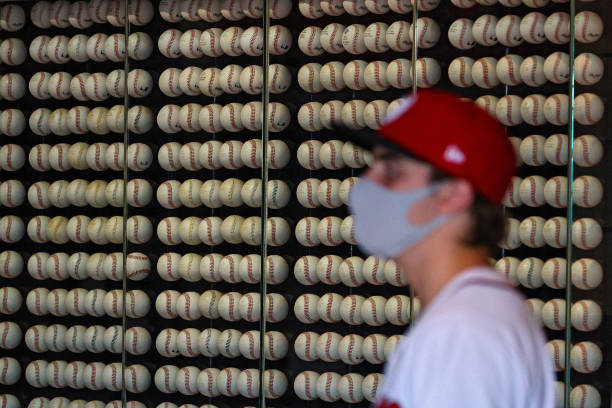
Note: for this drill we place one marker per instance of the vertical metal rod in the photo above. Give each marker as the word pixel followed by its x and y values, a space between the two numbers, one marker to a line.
pixel 570 207
pixel 126 101
pixel 264 203
pixel 415 56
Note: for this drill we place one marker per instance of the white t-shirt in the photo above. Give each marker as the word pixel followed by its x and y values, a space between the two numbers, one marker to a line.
pixel 476 345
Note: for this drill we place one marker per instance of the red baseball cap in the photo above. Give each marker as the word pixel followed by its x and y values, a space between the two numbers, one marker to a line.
pixel 456 136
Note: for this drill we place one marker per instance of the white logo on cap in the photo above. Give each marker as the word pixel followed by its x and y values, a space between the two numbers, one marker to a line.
pixel 453 154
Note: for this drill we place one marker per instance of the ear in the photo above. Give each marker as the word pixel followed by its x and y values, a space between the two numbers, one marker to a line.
pixel 455 196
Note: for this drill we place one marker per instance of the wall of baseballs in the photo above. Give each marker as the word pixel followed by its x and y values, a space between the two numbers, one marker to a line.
pixel 188 277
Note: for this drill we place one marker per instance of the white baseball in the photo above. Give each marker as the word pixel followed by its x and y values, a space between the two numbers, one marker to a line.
pixel 589 27
pixel 586 315
pixel 587 273
pixel 588 69
pixel 508 110
pixel 327 386
pixel 13 51
pixel 588 108
pixel 531 231
pixel 532 27
pixel 309 41
pixel 508 31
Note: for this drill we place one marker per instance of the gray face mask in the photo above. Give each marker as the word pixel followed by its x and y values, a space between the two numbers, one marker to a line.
pixel 380 217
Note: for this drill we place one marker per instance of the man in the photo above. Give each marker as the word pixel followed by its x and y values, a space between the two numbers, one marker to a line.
pixel 431 201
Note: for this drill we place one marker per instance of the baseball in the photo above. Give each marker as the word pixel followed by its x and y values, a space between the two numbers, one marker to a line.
pixel 512 198
pixel 397 310
pixel 507 267
pixel 508 69
pixel 140 83
pixel 553 273
pixel 483 30
pixel 397 6
pixel 306 308
pixel 556 68
pixel 168 43
pixel 12 157
pixel 210 42
pixel 553 314
pixel 167 119
pixel 532 71
pixel 229 41
pixel 589 108
pixel 460 34
pixel 331 76
pixel 556 350
pixel 12 122
pixel 349 388
pixel 189 43
pixel 589 27
pixel 164 378
pixel 427 31
pixel 352 39
pixel 12 86
pixel 484 73
pixel 531 191
pixel 588 191
pixel 38 49
pixel 531 231
pixel 36 375
pixel 508 110
pixel 532 27
pixel 280 39
pixel 327 386
pixel 555 192
pixel 588 151
pixel 12 18
pixel 587 273
pixel 227 381
pixel 399 36
pixel 13 51
pixel 140 46
pixel 114 47
pixel 428 72
pixel 373 348
pixel 11 371
pixel 39 124
pixel 460 72
pixel 77 86
pixel 228 343
pixel 330 39
pixel 305 382
pixel 187 306
pixel 508 31
pixel 165 303
pixel 586 315
pixel 586 357
pixel 588 68
pixel 532 150
pixel 35 338
pixel 95 47
pixel 309 41
pixel 556 28
pixel 587 233
pixel 488 103
pixel 529 273
pixel 77 48
pixel 398 74
pixel 327 346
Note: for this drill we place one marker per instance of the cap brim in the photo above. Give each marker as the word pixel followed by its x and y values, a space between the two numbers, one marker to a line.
pixel 367 139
